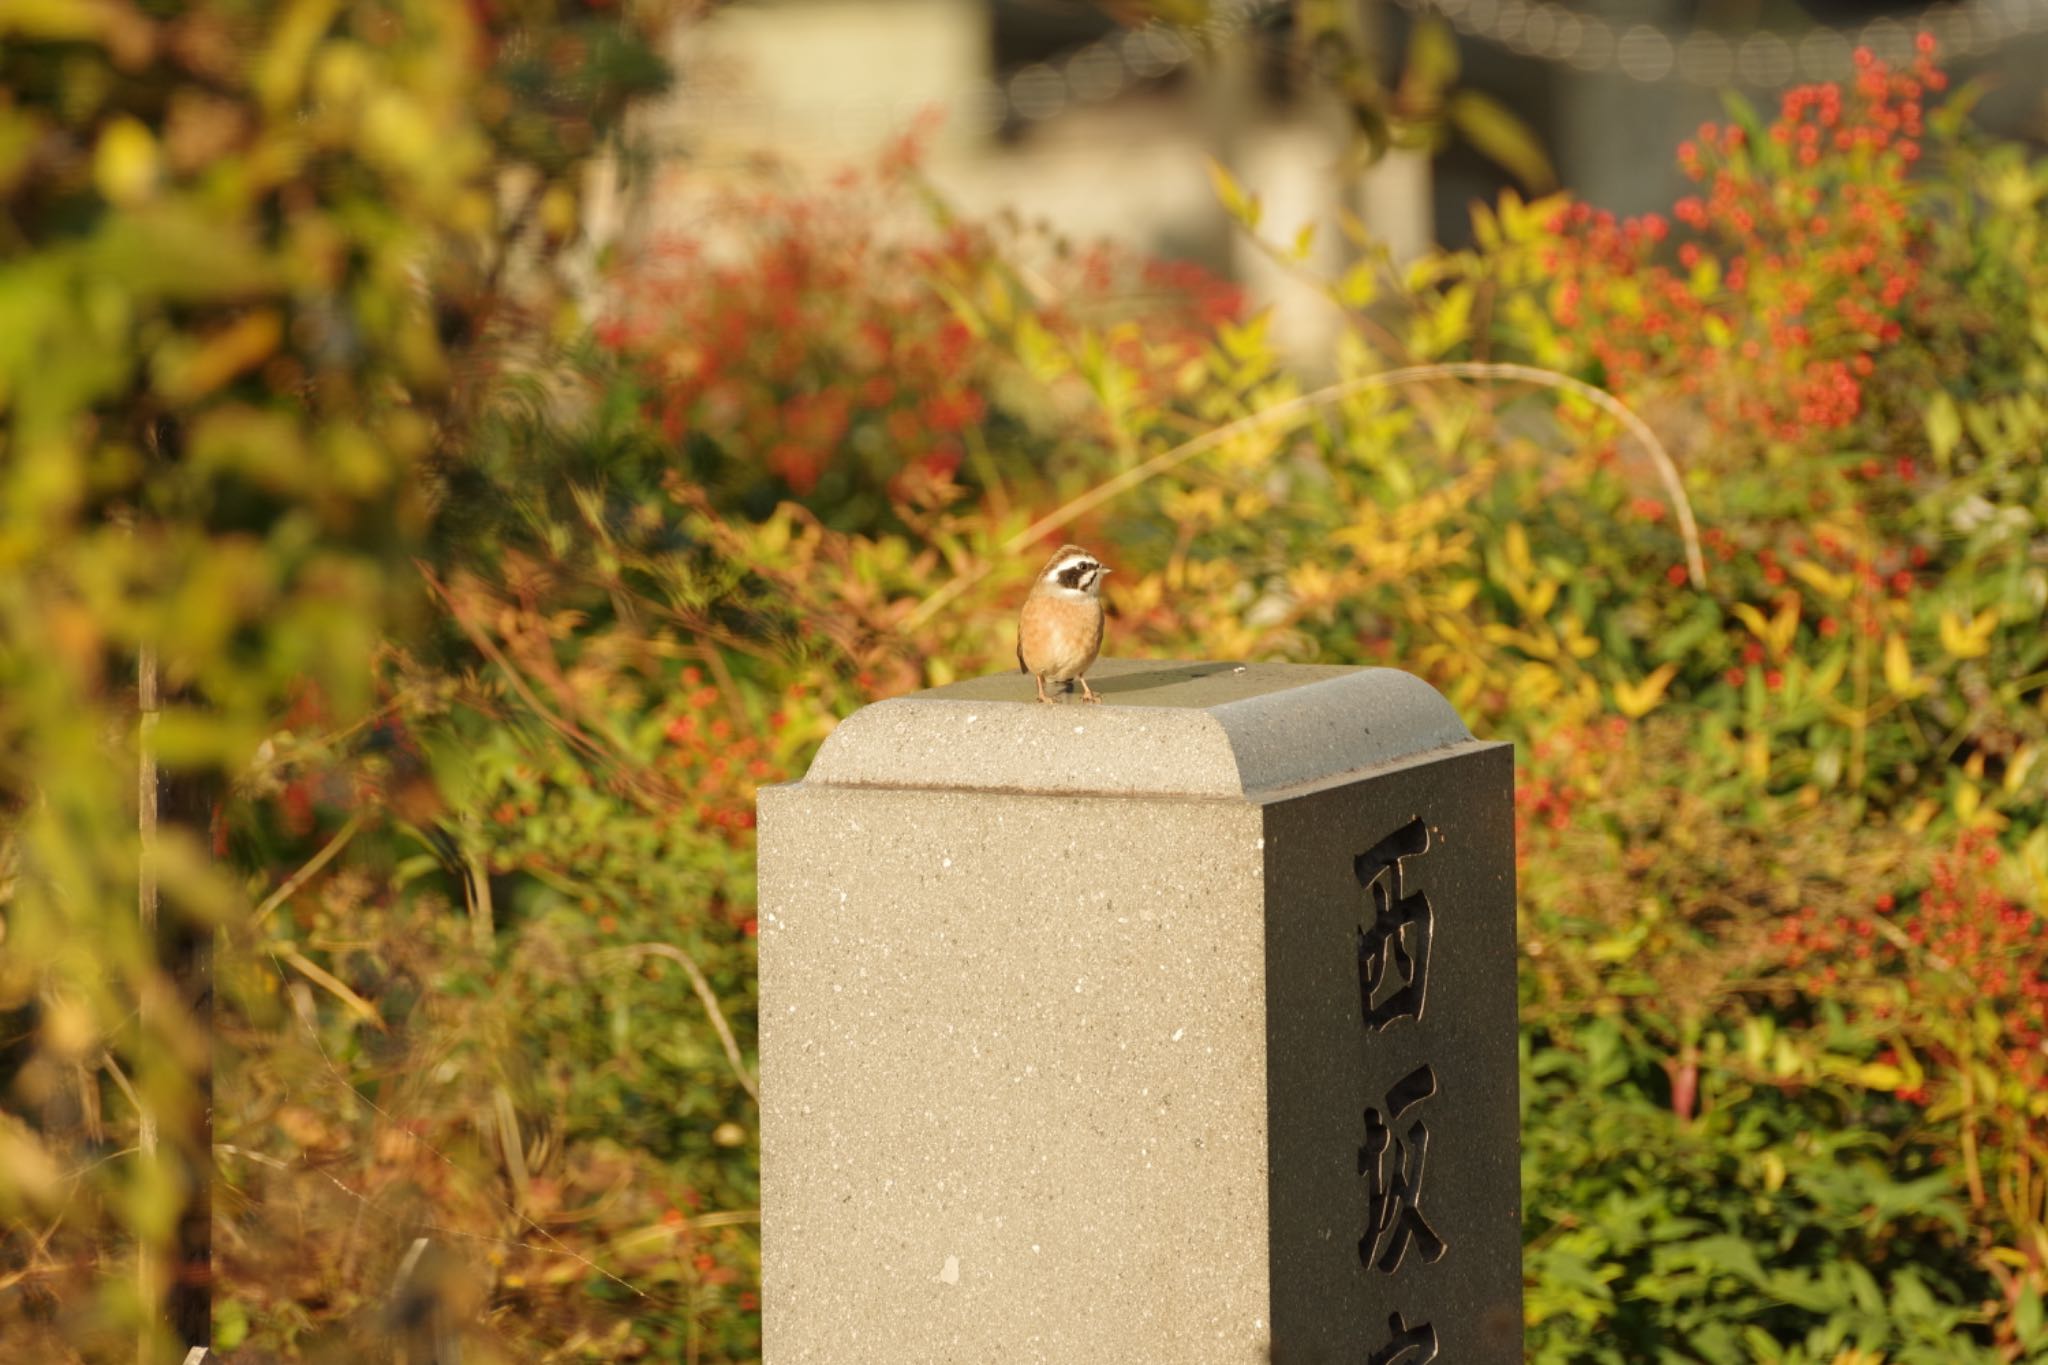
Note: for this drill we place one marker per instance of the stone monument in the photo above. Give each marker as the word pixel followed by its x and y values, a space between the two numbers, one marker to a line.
pixel 1175 1030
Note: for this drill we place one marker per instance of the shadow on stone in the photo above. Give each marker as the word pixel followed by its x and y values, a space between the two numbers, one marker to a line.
pixel 1153 678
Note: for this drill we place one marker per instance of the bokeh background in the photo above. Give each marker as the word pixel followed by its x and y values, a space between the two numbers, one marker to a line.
pixel 453 452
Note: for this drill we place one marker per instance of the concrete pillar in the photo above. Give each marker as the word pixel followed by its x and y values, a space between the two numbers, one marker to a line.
pixel 1175 1030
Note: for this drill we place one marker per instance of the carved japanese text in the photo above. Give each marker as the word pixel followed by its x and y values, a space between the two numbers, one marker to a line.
pixel 1408 1345
pixel 1393 949
pixel 1392 1160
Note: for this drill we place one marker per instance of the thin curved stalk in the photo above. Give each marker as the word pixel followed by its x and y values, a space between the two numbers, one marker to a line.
pixel 702 986
pixel 1667 468
pixel 293 884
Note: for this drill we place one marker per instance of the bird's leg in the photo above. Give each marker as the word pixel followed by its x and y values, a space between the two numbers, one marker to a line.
pixel 1087 694
pixel 1039 678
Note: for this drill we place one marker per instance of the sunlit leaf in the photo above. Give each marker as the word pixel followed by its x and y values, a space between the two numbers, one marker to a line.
pixel 1503 138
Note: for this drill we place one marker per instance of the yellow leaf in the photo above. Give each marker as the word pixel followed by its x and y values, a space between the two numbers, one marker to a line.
pixel 1828 676
pixel 1239 205
pixel 558 212
pixel 1459 595
pixel 1971 809
pixel 125 164
pixel 1311 582
pixel 997 302
pixel 1785 1059
pixel 1516 546
pixel 1494 130
pixel 186 373
pixel 1879 1076
pixel 1638 699
pixel 1758 624
pixel 280 71
pixel 1971 639
pixel 1359 285
pixel 1619 948
pixel 1534 685
pixel 2018 766
pixel 1834 585
pixel 1898 669
pixel 1784 626
pixel 1944 427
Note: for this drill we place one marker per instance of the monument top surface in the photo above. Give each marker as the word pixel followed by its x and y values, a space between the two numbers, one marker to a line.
pixel 1164 728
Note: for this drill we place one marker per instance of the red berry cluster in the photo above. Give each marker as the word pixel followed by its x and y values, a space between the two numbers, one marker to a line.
pixel 1562 769
pixel 1961 945
pixel 1883 580
pixel 1819 947
pixel 719 766
pixel 804 334
pixel 1802 263
pixel 812 338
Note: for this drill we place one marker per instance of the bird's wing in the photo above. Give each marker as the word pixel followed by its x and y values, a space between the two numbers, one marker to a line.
pixel 1020 653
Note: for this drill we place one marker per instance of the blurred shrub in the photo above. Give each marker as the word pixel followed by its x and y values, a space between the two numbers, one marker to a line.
pixel 1783 848
pixel 258 281
pixel 1784 857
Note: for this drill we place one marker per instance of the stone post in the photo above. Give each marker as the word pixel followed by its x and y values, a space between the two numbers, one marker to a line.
pixel 1175 1030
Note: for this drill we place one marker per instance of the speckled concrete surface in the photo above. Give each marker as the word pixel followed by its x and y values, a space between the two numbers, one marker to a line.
pixel 1163 728
pixel 1019 1013
pixel 1013 1078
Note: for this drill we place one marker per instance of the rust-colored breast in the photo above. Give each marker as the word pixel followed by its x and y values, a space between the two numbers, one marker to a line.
pixel 1058 638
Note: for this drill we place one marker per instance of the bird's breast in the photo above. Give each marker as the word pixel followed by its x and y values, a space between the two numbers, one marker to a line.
pixel 1059 638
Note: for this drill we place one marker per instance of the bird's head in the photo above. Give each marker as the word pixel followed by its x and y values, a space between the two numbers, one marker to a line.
pixel 1072 570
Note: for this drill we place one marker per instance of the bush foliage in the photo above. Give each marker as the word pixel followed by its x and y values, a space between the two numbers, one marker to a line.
pixel 477 633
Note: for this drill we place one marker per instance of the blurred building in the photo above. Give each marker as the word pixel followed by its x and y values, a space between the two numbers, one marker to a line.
pixel 1053 110
pixel 1046 108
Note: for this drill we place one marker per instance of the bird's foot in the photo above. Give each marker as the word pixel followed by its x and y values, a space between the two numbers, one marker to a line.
pixel 1088 694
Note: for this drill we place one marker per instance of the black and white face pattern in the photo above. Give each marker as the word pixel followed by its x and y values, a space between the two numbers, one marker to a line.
pixel 1077 573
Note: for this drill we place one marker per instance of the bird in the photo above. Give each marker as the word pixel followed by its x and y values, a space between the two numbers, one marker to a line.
pixel 1059 632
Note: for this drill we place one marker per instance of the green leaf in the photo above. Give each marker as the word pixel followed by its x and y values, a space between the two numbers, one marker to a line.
pixel 1944 427
pixel 1373 138
pixel 2027 1323
pixel 1432 65
pixel 1502 138
pixel 1742 113
pixel 230 1326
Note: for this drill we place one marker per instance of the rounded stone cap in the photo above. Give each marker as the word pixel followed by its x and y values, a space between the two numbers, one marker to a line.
pixel 1165 728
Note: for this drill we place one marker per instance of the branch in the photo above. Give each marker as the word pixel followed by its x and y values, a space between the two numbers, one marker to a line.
pixel 329 982
pixel 292 884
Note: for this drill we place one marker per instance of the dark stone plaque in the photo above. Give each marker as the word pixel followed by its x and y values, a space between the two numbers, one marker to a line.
pixel 1395 1233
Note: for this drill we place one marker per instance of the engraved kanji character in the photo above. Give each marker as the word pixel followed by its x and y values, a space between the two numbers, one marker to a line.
pixel 1392 1164
pixel 1410 1345
pixel 1394 948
